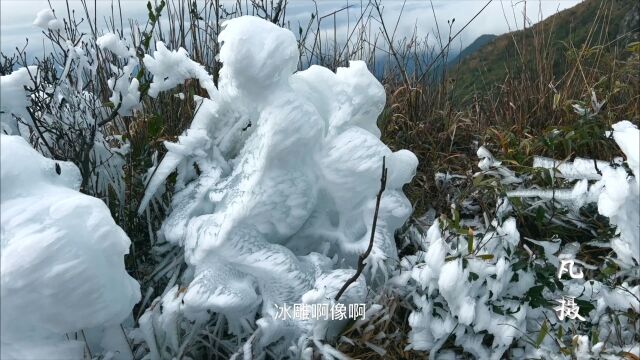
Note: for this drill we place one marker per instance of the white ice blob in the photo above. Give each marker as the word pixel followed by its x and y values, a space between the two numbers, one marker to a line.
pixel 62 266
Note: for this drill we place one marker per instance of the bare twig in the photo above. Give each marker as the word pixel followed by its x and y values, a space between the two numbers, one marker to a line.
pixel 363 256
pixel 392 50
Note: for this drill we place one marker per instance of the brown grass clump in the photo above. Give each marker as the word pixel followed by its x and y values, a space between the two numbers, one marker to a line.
pixel 383 336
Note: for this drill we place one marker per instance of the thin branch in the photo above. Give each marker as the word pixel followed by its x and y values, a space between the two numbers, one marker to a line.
pixel 389 40
pixel 113 115
pixel 451 40
pixel 362 257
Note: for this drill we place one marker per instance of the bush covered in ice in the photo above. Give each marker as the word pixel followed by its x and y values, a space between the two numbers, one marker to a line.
pixel 276 190
pixel 63 117
pixel 62 258
pixel 268 200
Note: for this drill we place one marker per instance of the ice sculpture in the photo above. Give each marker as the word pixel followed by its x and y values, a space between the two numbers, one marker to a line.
pixel 277 182
pixel 62 263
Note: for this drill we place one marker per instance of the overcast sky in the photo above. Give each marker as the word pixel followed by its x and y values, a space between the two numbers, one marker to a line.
pixel 499 17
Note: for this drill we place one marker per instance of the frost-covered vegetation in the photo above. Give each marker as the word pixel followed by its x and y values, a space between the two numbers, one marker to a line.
pixel 166 192
pixel 476 278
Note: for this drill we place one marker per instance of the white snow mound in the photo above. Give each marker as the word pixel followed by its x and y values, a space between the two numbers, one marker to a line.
pixel 62 266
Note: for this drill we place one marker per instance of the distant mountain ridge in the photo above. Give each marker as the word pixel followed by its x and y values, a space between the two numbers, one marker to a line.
pixel 476 45
pixel 487 61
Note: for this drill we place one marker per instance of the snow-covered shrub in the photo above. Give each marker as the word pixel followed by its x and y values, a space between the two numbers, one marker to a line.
pixel 275 193
pixel 124 85
pixel 465 288
pixel 55 104
pixel 491 291
pixel 62 259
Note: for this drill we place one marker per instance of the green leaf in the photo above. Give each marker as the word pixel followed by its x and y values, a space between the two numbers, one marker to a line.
pixel 535 298
pixel 497 309
pixel 456 218
pixel 595 336
pixel 544 330
pixel 150 12
pixel 519 265
pixel 585 307
pixel 634 47
pixel 540 214
pixel 611 269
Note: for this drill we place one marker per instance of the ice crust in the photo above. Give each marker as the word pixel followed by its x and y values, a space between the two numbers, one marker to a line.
pixel 62 257
pixel 72 109
pixel 124 85
pixel 620 197
pixel 288 170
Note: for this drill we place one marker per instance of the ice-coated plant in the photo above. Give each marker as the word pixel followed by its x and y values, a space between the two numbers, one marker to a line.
pixel 56 105
pixel 62 261
pixel 477 282
pixel 275 193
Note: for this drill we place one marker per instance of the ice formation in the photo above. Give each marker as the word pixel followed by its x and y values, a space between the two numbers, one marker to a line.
pixel 15 99
pixel 452 299
pixel 468 286
pixel 276 186
pixel 123 84
pixel 46 20
pixel 62 257
pixel 615 190
pixel 66 107
pixel 170 68
pixel 621 195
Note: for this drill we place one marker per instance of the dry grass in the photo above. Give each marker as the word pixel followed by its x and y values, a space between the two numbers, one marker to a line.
pixel 386 330
pixel 515 117
pixel 443 121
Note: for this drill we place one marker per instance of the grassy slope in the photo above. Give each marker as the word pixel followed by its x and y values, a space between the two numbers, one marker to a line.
pixel 489 65
pixel 476 45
